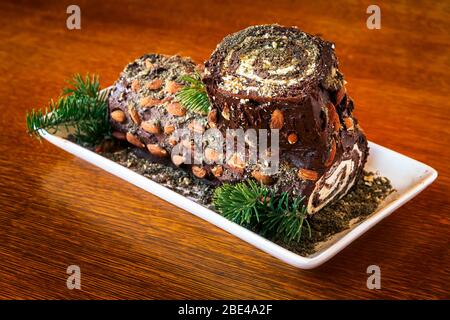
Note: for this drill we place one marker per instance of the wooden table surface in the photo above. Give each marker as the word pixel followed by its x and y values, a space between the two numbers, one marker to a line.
pixel 57 210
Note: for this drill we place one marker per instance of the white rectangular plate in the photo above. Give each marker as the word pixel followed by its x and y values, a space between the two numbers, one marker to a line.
pixel 408 176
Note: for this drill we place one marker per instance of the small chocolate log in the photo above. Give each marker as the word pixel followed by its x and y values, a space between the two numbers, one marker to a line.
pixel 273 77
pixel 144 110
pixel 143 105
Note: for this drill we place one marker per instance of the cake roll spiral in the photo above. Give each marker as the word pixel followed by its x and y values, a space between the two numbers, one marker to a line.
pixel 267 62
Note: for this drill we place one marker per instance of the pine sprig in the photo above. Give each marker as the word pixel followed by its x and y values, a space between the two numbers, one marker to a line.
pixel 81 107
pixel 194 96
pixel 256 207
pixel 240 202
pixel 82 87
pixel 287 221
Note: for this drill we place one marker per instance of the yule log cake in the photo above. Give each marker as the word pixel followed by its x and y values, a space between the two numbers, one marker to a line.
pixel 263 77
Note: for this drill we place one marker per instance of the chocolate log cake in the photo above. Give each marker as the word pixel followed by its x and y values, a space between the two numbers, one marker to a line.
pixel 282 78
pixel 145 111
pixel 263 77
pixel 142 105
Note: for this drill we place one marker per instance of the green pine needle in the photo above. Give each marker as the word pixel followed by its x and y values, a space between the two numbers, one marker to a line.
pixel 239 202
pixel 81 107
pixel 256 207
pixel 288 224
pixel 194 96
pixel 87 86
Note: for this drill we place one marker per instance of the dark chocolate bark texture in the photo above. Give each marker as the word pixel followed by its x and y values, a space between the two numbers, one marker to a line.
pixel 273 77
pixel 144 110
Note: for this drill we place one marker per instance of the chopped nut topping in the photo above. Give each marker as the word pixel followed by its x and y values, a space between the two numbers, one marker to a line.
pixel 307 174
pixel 151 127
pixel 131 138
pixel 262 177
pixel 118 116
pixel 199 172
pixel 178 160
pixel 168 129
pixel 176 109
pixel 148 102
pixel 157 151
pixel 173 87
pixel 292 138
pixel 277 120
pixel 134 114
pixel 135 86
pixel 217 171
pixel 155 84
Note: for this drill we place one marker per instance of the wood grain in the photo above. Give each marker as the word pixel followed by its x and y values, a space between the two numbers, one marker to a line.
pixel 56 210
